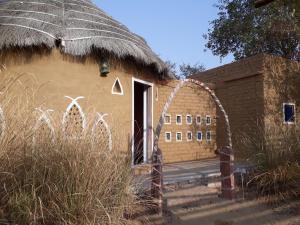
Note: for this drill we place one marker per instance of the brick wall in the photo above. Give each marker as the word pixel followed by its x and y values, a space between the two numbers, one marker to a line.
pixel 281 85
pixel 190 100
pixel 252 92
pixel 239 86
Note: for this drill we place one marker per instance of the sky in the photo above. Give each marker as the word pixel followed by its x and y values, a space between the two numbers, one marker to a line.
pixel 172 28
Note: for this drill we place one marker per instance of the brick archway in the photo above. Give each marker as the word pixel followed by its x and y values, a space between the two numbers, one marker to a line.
pixel 170 100
pixel 226 152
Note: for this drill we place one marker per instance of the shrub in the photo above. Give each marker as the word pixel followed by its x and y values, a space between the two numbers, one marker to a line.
pixel 65 181
pixel 64 184
pixel 275 151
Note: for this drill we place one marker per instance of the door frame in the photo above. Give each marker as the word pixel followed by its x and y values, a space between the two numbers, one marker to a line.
pixel 150 129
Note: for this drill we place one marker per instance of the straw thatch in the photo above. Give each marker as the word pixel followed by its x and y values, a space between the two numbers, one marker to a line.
pixel 77 25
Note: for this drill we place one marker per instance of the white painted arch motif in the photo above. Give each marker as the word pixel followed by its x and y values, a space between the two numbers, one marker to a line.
pixel 74 115
pixel 43 119
pixel 101 132
pixel 203 86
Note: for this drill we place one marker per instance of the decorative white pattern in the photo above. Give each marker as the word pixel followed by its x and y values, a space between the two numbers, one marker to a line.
pixel 117 88
pixel 178 136
pixel 168 119
pixel 181 84
pixel 208 120
pixel 198 119
pixel 101 132
pixel 2 68
pixel 168 136
pixel 178 119
pixel 189 136
pixel 74 121
pixel 189 119
pixel 42 125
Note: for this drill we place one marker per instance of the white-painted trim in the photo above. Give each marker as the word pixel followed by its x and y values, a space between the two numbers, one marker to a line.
pixel 74 102
pixel 142 82
pixel 181 119
pixel 198 116
pixel 186 119
pixel 166 140
pixel 132 116
pixel 208 132
pixel 43 118
pixel 206 117
pixel 200 140
pixel 145 125
pixel 187 136
pixel 132 122
pixel 100 118
pixel 179 140
pixel 112 88
pixel 152 109
pixel 292 104
pixel 169 115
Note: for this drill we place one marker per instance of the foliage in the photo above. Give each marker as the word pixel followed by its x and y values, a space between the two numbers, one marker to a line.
pixel 244 30
pixel 172 67
pixel 185 70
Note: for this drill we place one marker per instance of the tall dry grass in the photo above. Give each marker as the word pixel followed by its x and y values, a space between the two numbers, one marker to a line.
pixel 65 182
pixel 275 152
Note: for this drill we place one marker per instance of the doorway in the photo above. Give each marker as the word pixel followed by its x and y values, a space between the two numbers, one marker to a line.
pixel 142 121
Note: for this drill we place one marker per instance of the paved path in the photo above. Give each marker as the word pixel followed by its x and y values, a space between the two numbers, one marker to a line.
pixel 185 172
pixel 203 172
pixel 191 171
pixel 200 205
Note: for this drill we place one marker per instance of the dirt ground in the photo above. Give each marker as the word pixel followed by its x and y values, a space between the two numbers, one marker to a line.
pixel 200 205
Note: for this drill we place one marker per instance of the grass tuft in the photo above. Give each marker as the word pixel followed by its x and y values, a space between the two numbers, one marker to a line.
pixel 60 182
pixel 276 154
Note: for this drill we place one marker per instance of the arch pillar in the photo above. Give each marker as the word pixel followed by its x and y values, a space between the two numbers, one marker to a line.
pixel 226 152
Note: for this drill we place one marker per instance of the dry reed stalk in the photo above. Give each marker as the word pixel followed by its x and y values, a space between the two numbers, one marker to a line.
pixel 64 181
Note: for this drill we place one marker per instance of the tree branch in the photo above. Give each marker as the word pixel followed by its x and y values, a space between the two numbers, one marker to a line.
pixel 260 3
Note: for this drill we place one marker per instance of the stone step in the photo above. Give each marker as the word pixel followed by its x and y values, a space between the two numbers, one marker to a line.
pixel 209 180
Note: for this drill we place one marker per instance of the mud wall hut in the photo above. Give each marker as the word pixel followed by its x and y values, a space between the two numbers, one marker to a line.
pixel 87 62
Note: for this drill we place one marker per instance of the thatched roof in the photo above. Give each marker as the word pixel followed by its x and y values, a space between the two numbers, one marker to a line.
pixel 78 25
